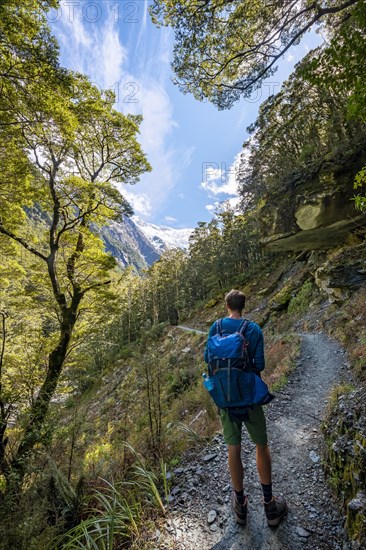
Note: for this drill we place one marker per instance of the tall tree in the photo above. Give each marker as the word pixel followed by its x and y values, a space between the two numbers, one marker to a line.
pixel 72 160
pixel 29 65
pixel 224 49
pixel 340 68
pixel 295 131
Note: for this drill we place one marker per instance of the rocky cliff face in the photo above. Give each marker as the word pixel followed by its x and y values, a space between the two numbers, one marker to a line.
pixel 342 272
pixel 140 244
pixel 129 245
pixel 314 209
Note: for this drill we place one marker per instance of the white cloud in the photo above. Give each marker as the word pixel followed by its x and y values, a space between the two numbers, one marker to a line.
pixel 97 50
pixel 91 48
pixel 231 203
pixel 112 55
pixel 290 58
pixel 72 19
pixel 140 201
pixel 157 112
pixel 143 25
pixel 170 219
pixel 212 207
pixel 220 180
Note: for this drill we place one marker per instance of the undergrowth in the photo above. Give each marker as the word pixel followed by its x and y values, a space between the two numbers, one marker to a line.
pixel 300 302
pixel 345 456
pixel 152 397
pixel 282 352
pixel 344 428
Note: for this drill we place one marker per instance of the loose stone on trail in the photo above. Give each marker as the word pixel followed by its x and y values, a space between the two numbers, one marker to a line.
pixel 302 532
pixel 314 457
pixel 358 503
pixel 208 458
pixel 211 516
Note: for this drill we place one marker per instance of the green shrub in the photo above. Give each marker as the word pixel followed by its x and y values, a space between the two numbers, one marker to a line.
pixel 300 302
pixel 125 353
pixel 181 379
pixel 345 455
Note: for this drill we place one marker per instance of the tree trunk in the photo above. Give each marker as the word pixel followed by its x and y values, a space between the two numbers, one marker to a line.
pixel 38 412
pixel 4 413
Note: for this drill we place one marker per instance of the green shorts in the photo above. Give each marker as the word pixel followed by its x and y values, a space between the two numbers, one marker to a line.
pixel 256 426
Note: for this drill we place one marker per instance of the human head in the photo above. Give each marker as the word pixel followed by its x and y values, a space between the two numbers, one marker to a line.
pixel 235 300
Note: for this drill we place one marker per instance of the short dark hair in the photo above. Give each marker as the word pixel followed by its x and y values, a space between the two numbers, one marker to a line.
pixel 235 300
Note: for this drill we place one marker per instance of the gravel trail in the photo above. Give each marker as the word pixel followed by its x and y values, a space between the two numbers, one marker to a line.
pixel 195 330
pixel 201 518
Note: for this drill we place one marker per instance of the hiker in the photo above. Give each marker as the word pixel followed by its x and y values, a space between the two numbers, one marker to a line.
pixel 275 507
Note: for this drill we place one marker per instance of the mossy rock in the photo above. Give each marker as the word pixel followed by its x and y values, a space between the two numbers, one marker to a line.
pixel 211 303
pixel 264 291
pixel 345 459
pixel 281 300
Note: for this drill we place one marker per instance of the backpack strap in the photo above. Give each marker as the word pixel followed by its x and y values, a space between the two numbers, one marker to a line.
pixel 243 326
pixel 241 330
pixel 219 326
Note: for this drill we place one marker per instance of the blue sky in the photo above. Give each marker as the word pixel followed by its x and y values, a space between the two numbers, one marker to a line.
pixel 192 147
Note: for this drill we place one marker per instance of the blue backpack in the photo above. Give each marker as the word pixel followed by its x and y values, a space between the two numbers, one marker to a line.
pixel 233 383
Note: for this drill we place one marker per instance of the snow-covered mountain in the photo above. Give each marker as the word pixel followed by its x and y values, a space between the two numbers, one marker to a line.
pixel 162 236
pixel 129 245
pixel 138 243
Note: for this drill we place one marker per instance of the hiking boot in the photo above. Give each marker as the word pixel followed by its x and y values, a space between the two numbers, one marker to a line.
pixel 240 510
pixel 275 510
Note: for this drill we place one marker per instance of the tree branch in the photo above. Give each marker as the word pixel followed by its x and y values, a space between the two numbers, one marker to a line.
pixel 22 242
pixel 4 413
pixel 252 80
pixel 21 122
pixel 97 285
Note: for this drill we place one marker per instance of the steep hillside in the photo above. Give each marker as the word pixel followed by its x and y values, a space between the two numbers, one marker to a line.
pixel 129 245
pixel 152 395
pixel 137 243
pixel 314 208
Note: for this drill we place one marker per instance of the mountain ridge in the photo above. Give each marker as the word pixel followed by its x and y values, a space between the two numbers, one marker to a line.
pixel 134 242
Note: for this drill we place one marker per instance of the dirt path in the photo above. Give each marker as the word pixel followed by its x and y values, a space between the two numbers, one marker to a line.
pixel 201 517
pixel 195 330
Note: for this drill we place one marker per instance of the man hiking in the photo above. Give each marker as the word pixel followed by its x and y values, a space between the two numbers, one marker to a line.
pixel 275 507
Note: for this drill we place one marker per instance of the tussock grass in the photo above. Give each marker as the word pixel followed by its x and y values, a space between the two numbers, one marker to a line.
pixel 115 511
pixel 111 519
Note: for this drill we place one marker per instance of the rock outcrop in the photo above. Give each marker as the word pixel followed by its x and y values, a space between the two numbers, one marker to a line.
pixel 314 209
pixel 129 245
pixel 345 454
pixel 342 273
